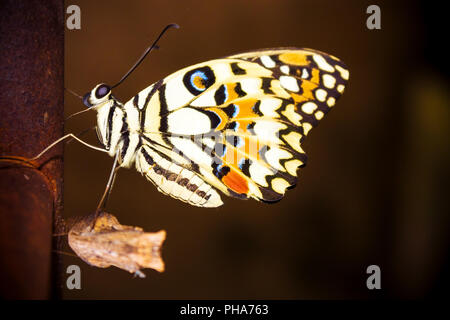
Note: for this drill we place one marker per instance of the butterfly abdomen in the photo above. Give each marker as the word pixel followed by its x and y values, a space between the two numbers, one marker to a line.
pixel 175 180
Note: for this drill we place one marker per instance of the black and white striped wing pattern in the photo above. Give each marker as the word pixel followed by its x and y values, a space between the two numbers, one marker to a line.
pixel 235 124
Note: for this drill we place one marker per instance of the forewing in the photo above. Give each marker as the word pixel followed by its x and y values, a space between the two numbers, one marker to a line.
pixel 240 120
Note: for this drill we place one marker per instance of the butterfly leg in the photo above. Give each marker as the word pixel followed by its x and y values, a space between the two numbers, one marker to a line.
pixel 70 135
pixel 112 176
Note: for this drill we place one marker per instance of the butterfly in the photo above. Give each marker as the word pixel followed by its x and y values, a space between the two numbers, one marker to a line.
pixel 234 124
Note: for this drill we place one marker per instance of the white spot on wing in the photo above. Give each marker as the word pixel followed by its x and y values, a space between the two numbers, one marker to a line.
pixel 322 63
pixel 306 127
pixel 251 85
pixel 319 115
pixel 191 150
pixel 188 121
pixel 305 73
pixel 329 81
pixel 176 93
pixel 268 107
pixel 258 173
pixel 293 139
pixel 292 165
pixel 279 185
pixel 268 130
pixel 292 115
pixel 222 71
pixel 289 83
pixel 344 73
pixel 267 62
pixel 274 155
pixel 309 107
pixel 284 69
pixel 331 101
pixel 321 95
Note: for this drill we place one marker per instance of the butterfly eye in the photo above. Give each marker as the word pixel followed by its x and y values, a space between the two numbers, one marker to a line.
pixel 102 91
pixel 86 100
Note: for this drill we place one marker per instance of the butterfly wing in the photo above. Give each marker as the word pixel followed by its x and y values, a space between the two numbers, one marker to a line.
pixel 237 123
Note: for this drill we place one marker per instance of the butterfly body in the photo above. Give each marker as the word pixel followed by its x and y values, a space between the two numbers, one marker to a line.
pixel 233 125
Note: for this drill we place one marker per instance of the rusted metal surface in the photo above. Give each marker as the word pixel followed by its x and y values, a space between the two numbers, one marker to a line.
pixel 31 117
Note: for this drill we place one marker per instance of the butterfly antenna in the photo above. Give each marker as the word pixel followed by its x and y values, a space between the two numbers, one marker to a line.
pixel 74 93
pixel 146 52
pixel 81 98
pixel 77 113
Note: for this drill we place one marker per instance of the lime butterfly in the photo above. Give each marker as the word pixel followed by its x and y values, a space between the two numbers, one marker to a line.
pixel 234 124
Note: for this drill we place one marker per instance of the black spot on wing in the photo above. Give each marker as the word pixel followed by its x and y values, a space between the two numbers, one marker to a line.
pixel 221 95
pixel 256 110
pixel 238 89
pixel 245 167
pixel 214 118
pixel 251 128
pixel 207 80
pixel 267 85
pixel 237 70
pixel 231 110
pixel 233 126
pixel 219 170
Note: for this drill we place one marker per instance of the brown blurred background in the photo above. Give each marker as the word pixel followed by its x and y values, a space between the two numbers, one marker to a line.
pixel 374 190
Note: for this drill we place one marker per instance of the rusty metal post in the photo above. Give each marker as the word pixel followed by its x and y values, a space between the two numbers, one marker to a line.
pixel 31 117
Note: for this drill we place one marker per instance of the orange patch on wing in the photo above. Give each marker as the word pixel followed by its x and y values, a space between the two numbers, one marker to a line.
pixel 235 182
pixel 294 58
pixel 243 125
pixel 315 76
pixel 298 98
pixel 199 82
pixel 232 95
pixel 308 87
pixel 246 108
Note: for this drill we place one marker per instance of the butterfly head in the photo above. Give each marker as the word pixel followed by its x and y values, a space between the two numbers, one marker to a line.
pixel 97 96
